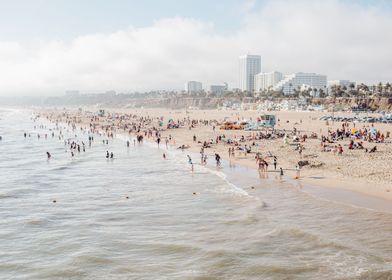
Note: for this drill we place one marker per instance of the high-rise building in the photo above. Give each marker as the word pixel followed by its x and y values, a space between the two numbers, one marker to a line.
pixel 300 81
pixel 266 81
pixel 193 87
pixel 250 65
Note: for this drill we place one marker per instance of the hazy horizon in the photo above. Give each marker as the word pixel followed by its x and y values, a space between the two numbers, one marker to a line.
pixel 49 47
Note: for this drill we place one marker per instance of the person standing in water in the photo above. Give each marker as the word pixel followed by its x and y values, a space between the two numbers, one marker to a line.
pixel 205 159
pixel 297 169
pixel 275 162
pixel 107 154
pixel 190 162
pixel 217 159
pixel 48 155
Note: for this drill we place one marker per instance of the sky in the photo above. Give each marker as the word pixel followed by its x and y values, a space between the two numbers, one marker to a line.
pixel 50 46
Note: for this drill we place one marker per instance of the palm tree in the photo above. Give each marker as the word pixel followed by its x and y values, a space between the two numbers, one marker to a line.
pixel 333 90
pixel 379 88
pixel 314 92
pixel 388 88
pixel 322 93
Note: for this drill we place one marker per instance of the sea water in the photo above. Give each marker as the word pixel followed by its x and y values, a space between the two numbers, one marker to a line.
pixel 138 216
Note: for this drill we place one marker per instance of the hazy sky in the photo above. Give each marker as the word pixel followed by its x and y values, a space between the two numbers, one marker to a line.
pixel 49 46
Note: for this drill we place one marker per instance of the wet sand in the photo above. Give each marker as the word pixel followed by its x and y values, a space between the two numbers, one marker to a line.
pixel 354 171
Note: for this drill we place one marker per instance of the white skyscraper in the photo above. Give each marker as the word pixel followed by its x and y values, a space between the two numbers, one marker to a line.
pixel 250 65
pixel 193 87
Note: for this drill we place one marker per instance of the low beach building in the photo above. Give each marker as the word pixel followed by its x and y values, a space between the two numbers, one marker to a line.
pixel 193 87
pixel 218 89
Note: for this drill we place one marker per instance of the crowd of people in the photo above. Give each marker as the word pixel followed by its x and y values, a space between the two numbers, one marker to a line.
pixel 239 145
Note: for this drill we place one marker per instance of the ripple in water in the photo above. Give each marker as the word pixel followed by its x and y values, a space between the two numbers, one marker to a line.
pixel 136 218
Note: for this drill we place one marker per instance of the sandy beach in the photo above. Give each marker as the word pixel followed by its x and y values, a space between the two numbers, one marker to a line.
pixel 353 169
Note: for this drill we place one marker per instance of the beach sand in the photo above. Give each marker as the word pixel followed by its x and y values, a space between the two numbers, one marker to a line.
pixel 354 170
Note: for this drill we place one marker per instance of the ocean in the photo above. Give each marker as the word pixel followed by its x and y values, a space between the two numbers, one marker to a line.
pixel 138 216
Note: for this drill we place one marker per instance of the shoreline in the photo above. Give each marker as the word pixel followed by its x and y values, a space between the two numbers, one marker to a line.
pixel 315 179
pixel 332 194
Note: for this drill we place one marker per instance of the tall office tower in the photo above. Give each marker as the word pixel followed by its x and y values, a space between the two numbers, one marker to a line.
pixel 250 65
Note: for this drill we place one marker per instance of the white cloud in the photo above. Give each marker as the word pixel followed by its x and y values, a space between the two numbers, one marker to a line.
pixel 340 39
